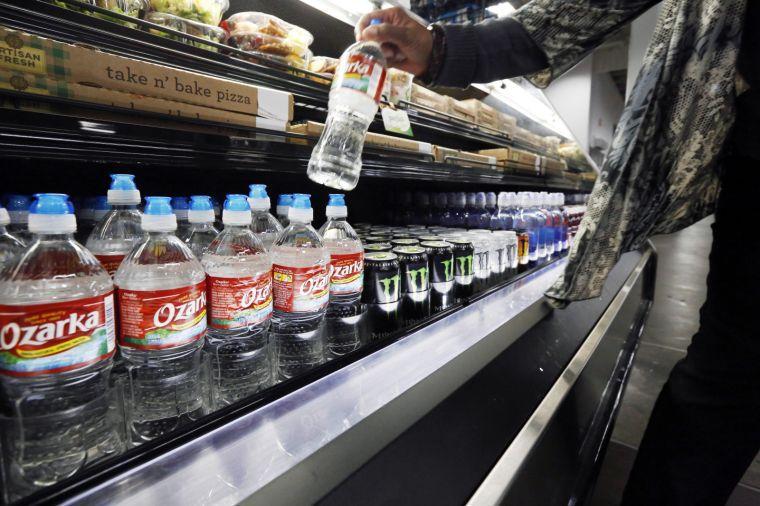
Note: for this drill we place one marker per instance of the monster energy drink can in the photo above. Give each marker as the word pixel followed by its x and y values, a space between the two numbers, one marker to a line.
pixel 415 283
pixel 374 238
pixel 378 247
pixel 407 241
pixel 382 286
pixel 463 267
pixel 441 269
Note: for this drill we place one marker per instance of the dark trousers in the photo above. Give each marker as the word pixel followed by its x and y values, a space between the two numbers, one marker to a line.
pixel 705 428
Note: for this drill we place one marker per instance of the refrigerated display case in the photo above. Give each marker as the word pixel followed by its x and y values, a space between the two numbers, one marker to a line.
pixel 470 403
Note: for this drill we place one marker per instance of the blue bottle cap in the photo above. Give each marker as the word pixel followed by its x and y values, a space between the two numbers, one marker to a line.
pixel 201 203
pixel 285 199
pixel 18 202
pixel 258 191
pixel 336 199
pixel 178 203
pixel 51 203
pixel 237 210
pixel 300 210
pixel 301 201
pixel 124 182
pixel 159 206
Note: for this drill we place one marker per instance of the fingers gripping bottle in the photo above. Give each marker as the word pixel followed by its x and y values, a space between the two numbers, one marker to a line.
pixel 283 206
pixel 10 245
pixel 180 207
pixel 301 289
pixel 201 218
pixel 118 230
pixel 239 288
pixel 57 340
pixel 346 278
pixel 162 308
pixel 354 97
pixel 264 225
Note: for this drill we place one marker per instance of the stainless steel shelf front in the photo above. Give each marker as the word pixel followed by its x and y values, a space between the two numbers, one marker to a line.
pixel 316 436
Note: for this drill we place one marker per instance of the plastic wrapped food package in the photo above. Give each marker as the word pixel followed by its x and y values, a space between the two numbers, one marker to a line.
pixel 401 85
pixel 127 7
pixel 208 32
pixel 325 66
pixel 208 12
pixel 262 34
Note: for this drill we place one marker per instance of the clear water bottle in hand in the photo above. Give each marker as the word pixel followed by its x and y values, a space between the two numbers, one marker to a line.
pixel 354 98
pixel 239 284
pixel 57 323
pixel 162 308
pixel 118 230
pixel 201 218
pixel 264 225
pixel 301 289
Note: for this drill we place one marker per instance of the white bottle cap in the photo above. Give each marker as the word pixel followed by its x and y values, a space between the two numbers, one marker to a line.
pixel 123 190
pixel 258 198
pixel 301 210
pixel 236 211
pixel 52 213
pixel 205 216
pixel 158 215
pixel 4 217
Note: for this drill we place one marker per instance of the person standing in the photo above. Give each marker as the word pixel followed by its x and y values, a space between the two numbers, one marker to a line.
pixel 687 135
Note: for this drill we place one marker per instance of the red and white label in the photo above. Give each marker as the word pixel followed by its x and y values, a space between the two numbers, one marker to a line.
pixel 52 338
pixel 159 319
pixel 346 273
pixel 110 263
pixel 239 302
pixel 300 289
pixel 361 73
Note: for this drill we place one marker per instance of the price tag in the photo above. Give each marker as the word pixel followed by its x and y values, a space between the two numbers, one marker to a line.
pixel 396 120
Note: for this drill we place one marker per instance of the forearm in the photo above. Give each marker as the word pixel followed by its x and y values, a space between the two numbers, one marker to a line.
pixel 496 49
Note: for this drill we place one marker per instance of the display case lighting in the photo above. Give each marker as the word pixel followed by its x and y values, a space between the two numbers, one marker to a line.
pixel 501 10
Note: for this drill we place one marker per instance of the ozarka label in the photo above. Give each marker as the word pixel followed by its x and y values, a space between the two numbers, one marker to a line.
pixel 346 273
pixel 53 338
pixel 159 319
pixel 110 263
pixel 300 289
pixel 361 73
pixel 239 302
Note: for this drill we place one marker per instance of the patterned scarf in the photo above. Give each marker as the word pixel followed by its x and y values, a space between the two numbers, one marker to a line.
pixel 662 171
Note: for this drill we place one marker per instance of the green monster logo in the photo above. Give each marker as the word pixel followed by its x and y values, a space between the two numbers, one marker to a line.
pixel 448 266
pixel 465 265
pixel 387 288
pixel 423 274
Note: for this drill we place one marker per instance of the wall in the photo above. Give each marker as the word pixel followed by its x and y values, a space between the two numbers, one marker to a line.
pixel 641 32
pixel 571 97
pixel 605 110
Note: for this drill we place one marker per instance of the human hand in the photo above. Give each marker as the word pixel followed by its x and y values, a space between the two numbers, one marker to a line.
pixel 406 44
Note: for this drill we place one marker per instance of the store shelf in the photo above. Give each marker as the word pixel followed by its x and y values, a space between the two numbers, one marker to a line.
pixel 48 20
pixel 62 130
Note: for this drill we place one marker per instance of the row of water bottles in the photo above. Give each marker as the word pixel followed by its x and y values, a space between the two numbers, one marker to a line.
pixel 194 313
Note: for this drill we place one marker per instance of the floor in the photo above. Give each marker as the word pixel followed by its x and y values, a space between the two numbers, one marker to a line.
pixel 680 291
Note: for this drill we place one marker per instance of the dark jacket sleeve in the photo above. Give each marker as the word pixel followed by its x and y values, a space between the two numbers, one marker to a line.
pixel 543 39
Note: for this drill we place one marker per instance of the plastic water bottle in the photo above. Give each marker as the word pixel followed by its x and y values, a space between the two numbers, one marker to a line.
pixel 10 245
pixel 181 207
pixel 565 223
pixel 85 221
pixel 18 211
pixel 301 290
pixel 201 217
pixel 162 309
pixel 491 202
pixel 58 340
pixel 525 224
pixel 547 224
pixel 239 284
pixel 264 225
pixel 346 278
pixel 478 216
pixel 118 230
pixel 504 217
pixel 354 97
pixel 283 206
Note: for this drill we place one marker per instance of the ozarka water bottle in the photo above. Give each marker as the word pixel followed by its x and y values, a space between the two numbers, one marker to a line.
pixel 346 278
pixel 162 316
pixel 239 287
pixel 117 232
pixel 57 340
pixel 301 289
pixel 354 97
